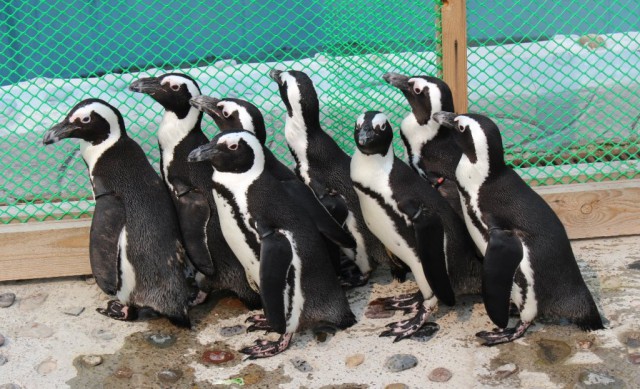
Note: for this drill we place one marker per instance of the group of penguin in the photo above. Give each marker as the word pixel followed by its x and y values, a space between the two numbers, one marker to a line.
pixel 227 210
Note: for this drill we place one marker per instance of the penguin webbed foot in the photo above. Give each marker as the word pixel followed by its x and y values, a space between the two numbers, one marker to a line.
pixel 266 348
pixel 258 323
pixel 503 335
pixel 406 328
pixel 198 298
pixel 350 275
pixel 408 303
pixel 118 311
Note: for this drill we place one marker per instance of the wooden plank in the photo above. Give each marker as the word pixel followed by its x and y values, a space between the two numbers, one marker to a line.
pixel 453 19
pixel 44 249
pixel 61 248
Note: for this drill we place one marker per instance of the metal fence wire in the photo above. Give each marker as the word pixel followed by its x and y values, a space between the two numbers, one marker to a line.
pixel 561 80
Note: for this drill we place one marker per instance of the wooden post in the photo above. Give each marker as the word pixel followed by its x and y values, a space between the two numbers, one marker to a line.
pixel 453 18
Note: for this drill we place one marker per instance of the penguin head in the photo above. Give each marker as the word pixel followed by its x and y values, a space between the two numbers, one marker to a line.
pixel 425 94
pixel 173 91
pixel 299 96
pixel 92 120
pixel 477 135
pixel 373 133
pixel 234 151
pixel 231 114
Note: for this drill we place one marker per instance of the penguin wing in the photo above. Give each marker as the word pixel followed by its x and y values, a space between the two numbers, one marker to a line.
pixel 501 260
pixel 106 226
pixel 334 203
pixel 325 223
pixel 193 216
pixel 275 259
pixel 429 234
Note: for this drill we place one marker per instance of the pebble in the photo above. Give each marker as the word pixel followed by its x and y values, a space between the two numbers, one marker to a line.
pixel 591 41
pixel 354 360
pixel 216 357
pixel 320 336
pixel 169 375
pixel 90 280
pixel 35 330
pixel 91 360
pixel 377 311
pixel 73 311
pixel 102 334
pixel 161 340
pixel 505 370
pixel 634 266
pixel 593 380
pixel 32 302
pixel 553 351
pixel 123 372
pixel 584 344
pixel 47 366
pixel 400 362
pixel 10 386
pixel 396 386
pixel 301 365
pixel 1 340
pixel 634 358
pixel 440 374
pixel 232 331
pixel 3 360
pixel 7 299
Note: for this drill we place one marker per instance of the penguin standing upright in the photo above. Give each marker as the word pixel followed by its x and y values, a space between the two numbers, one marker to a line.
pixel 321 164
pixel 431 150
pixel 135 247
pixel 282 251
pixel 527 255
pixel 190 184
pixel 233 114
pixel 413 221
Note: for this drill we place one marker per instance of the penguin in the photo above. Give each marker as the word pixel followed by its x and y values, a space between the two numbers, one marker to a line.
pixel 135 247
pixel 281 249
pixel 431 150
pixel 322 165
pixel 414 222
pixel 527 255
pixel 230 114
pixel 190 184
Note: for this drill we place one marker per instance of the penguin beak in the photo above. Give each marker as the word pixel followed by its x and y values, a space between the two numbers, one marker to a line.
pixel 365 135
pixel 445 119
pixel 204 153
pixel 59 131
pixel 275 75
pixel 398 80
pixel 149 85
pixel 206 104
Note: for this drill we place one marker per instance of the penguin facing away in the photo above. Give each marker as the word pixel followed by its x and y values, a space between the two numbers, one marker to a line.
pixel 414 222
pixel 281 249
pixel 527 255
pixel 190 184
pixel 431 149
pixel 233 114
pixel 135 247
pixel 321 164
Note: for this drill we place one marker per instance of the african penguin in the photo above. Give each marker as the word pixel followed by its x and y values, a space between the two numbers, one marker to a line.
pixel 190 184
pixel 282 251
pixel 414 222
pixel 232 114
pixel 321 164
pixel 431 150
pixel 135 246
pixel 527 255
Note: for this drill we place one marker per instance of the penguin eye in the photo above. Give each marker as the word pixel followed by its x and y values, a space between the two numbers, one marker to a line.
pixel 461 128
pixel 233 146
pixel 86 119
pixel 175 87
pixel 226 114
pixel 383 127
pixel 417 90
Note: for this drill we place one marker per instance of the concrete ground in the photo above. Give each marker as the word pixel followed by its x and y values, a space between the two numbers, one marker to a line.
pixel 44 347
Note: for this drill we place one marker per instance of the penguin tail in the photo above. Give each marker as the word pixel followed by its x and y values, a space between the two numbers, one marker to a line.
pixel 590 322
pixel 181 321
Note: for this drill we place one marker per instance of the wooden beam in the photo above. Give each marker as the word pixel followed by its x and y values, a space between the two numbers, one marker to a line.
pixel 61 248
pixel 453 19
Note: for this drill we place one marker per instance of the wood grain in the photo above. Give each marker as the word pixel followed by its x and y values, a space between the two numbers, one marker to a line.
pixel 454 51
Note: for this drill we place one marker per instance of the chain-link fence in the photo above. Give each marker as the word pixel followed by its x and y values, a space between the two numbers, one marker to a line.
pixel 558 108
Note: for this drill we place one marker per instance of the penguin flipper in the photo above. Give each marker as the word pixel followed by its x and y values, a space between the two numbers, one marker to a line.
pixel 501 260
pixel 331 200
pixel 193 216
pixel 108 221
pixel 323 220
pixel 275 259
pixel 429 234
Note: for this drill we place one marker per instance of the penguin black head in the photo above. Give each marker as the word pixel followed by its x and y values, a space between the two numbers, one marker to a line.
pixel 299 95
pixel 425 94
pixel 232 114
pixel 172 90
pixel 92 120
pixel 234 151
pixel 477 135
pixel 373 133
